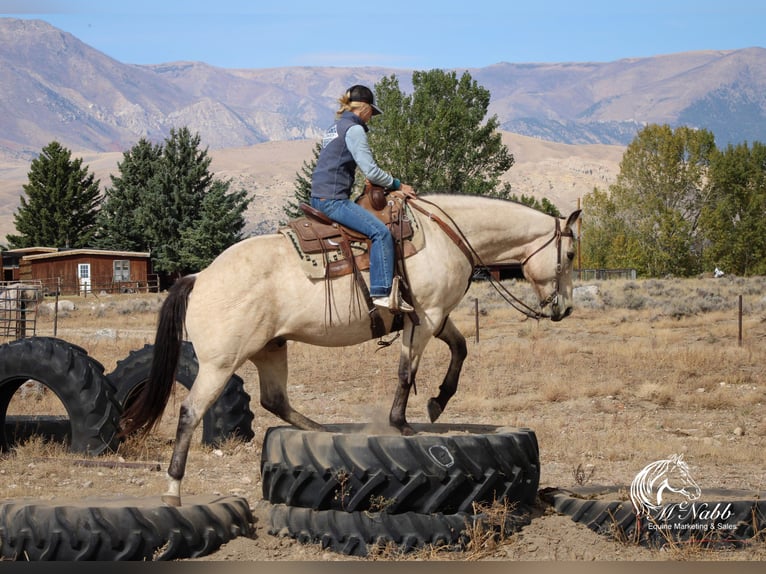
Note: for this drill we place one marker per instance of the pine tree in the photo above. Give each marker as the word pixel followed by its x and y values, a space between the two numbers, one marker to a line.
pixel 220 225
pixel 118 224
pixel 167 201
pixel 60 207
pixel 303 185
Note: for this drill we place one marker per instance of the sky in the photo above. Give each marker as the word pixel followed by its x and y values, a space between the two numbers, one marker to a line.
pixel 404 34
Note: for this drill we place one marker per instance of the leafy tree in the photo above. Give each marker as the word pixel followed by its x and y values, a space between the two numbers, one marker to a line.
pixel 543 205
pixel 118 218
pixel 435 140
pixel 651 217
pixel 60 207
pixel 733 222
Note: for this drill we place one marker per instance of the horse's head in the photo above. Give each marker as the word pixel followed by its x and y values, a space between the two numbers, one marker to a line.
pixel 548 267
pixel 679 479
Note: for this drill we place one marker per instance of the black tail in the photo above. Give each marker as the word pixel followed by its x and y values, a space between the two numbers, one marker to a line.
pixel 143 413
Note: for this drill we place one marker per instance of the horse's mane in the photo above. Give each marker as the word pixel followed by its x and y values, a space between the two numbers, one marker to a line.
pixel 471 198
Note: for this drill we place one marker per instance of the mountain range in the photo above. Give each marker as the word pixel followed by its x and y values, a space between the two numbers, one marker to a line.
pixel 56 87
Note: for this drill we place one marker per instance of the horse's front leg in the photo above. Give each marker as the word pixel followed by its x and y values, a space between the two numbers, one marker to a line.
pixel 271 362
pixel 208 385
pixel 456 342
pixel 414 340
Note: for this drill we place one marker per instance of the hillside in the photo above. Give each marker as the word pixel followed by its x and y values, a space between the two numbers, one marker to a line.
pixel 560 172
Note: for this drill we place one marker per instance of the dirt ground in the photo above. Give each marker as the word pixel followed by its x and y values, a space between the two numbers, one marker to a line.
pixel 607 391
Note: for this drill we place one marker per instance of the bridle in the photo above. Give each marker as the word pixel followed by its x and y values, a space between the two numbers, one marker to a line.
pixel 473 257
pixel 557 235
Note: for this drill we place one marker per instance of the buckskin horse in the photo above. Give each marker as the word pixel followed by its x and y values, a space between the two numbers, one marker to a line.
pixel 255 296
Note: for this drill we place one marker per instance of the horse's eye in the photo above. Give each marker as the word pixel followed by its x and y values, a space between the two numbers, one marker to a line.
pixel 570 255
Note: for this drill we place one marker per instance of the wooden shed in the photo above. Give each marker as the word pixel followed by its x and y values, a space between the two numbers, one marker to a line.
pixel 81 271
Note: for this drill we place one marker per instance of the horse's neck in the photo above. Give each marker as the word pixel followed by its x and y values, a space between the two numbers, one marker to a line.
pixel 499 231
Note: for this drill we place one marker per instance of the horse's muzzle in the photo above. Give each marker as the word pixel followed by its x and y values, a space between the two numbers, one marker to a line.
pixel 558 316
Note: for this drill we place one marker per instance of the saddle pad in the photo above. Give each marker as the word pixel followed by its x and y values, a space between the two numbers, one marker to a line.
pixel 315 264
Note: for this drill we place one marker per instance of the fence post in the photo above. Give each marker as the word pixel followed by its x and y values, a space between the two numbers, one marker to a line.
pixel 476 314
pixel 739 338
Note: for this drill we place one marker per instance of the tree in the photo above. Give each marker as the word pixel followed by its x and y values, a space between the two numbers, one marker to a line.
pixel 303 185
pixel 544 205
pixel 60 207
pixel 434 139
pixel 733 222
pixel 220 225
pixel 118 225
pixel 651 217
pixel 167 201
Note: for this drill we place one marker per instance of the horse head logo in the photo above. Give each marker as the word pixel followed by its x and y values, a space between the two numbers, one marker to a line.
pixel 672 476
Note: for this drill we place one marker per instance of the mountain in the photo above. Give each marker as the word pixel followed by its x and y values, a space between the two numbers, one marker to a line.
pixel 56 87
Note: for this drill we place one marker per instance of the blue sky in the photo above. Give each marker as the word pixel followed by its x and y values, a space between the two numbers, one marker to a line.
pixel 403 34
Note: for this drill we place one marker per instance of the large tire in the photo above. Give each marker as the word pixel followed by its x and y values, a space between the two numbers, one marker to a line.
pixel 229 416
pixel 726 518
pixel 124 529
pixel 443 468
pixel 75 378
pixel 355 533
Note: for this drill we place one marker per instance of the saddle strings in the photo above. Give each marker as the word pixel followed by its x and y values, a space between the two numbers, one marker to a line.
pixel 503 291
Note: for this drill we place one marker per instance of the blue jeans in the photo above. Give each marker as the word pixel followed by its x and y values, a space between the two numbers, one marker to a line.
pixel 353 216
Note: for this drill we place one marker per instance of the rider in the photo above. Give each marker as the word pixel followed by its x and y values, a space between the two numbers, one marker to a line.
pixel 344 148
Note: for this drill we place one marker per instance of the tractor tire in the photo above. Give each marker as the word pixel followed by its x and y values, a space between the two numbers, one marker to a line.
pixel 75 378
pixel 727 518
pixel 120 529
pixel 357 533
pixel 229 416
pixel 442 469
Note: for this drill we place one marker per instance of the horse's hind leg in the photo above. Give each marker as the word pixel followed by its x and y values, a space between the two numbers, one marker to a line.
pixel 207 386
pixel 271 362
pixel 456 342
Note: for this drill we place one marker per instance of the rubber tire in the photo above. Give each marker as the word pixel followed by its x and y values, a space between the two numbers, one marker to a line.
pixel 354 533
pixel 229 416
pixel 442 469
pixel 124 529
pixel 54 428
pixel 75 378
pixel 617 518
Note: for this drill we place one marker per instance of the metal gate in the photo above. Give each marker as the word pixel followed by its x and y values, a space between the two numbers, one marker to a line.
pixel 18 309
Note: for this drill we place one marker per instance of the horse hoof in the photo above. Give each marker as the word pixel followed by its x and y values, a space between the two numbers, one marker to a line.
pixel 434 410
pixel 407 430
pixel 171 500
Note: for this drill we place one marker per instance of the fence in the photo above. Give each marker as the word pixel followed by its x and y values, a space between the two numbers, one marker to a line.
pixel 590 274
pixel 96 284
pixel 18 308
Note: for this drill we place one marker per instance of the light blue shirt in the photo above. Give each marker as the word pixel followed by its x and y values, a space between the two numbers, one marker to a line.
pixel 357 144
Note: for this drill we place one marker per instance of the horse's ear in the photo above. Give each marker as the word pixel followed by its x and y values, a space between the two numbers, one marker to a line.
pixel 573 217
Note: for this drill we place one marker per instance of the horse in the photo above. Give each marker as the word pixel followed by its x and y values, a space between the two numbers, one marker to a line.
pixel 255 297
pixel 671 475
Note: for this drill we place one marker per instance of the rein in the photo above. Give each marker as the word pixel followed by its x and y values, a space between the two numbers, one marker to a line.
pixel 459 238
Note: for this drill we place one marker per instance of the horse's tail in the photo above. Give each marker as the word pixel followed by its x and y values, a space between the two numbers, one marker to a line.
pixel 142 414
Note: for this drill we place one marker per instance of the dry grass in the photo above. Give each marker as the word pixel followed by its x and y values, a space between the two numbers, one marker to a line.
pixel 643 369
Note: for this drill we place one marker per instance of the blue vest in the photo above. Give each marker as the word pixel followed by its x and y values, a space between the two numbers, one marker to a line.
pixel 335 169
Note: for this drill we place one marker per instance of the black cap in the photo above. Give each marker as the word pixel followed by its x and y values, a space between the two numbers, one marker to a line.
pixel 361 93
